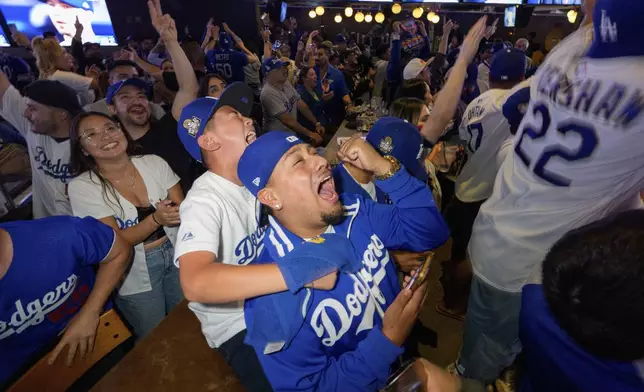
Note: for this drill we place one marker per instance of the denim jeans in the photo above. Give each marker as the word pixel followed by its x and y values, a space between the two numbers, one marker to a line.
pixel 144 311
pixel 243 359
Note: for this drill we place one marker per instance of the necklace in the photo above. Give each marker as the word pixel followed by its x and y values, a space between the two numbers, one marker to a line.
pixel 132 181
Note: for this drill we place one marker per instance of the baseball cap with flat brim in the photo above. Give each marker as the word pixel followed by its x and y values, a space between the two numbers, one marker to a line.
pixel 116 87
pixel 196 114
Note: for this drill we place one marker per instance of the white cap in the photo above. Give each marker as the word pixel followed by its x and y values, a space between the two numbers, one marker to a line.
pixel 415 67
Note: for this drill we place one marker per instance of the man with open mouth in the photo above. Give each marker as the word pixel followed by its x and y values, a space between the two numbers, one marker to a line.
pixel 347 338
pixel 220 231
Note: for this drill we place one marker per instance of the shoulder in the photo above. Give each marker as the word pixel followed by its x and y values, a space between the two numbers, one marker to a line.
pixel 85 180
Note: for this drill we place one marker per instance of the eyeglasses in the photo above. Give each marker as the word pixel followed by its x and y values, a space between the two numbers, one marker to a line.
pixel 94 135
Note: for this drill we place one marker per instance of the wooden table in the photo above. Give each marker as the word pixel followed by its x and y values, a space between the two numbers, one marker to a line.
pixel 174 357
pixel 331 151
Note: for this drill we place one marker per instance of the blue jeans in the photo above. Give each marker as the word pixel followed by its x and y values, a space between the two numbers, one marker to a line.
pixel 144 311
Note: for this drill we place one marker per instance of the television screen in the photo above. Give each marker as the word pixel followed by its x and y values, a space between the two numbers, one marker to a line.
pixel 554 2
pixel 34 17
pixel 510 16
pixel 430 1
pixel 494 1
pixel 4 43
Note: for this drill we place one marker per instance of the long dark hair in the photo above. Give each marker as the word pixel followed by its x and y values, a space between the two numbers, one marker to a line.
pixel 81 163
pixel 302 75
pixel 408 109
pixel 205 81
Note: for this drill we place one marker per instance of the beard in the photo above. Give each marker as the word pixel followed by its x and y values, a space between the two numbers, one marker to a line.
pixel 333 218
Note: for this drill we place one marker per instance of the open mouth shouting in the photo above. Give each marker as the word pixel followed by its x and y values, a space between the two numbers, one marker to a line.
pixel 326 189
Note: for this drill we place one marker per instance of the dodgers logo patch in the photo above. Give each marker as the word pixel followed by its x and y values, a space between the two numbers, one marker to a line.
pixel 192 125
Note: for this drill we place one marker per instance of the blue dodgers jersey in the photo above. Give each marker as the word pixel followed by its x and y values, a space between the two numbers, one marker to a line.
pixel 227 63
pixel 553 361
pixel 335 106
pixel 48 281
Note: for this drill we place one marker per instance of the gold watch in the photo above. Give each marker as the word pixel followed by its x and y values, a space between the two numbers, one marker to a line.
pixel 395 166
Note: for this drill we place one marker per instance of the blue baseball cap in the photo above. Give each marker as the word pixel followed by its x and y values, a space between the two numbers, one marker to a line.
pixel 84 4
pixel 225 41
pixel 618 30
pixel 260 158
pixel 195 116
pixel 340 38
pixel 402 140
pixel 271 64
pixel 508 65
pixel 136 82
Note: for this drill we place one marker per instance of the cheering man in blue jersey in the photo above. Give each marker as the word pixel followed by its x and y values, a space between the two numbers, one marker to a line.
pixel 345 339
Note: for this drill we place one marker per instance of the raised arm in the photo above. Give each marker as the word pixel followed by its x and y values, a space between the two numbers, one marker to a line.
pixel 12 105
pixel 148 68
pixel 77 46
pixel 268 46
pixel 188 85
pixel 450 95
pixel 252 57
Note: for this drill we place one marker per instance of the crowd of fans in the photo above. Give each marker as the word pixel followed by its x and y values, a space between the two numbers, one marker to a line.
pixel 195 170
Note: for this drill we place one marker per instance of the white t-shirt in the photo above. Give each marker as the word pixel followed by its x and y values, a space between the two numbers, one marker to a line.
pixel 484 129
pixel 570 164
pixel 49 160
pixel 87 199
pixel 79 83
pixel 483 79
pixel 223 218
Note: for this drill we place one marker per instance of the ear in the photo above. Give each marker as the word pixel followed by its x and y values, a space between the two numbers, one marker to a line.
pixel 267 196
pixel 112 109
pixel 208 142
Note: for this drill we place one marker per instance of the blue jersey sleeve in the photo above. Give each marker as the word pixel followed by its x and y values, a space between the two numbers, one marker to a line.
pixel 512 108
pixel 413 222
pixel 305 366
pixel 92 240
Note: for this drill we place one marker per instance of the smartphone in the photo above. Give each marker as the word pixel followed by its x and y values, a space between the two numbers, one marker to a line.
pixel 421 273
pixel 409 378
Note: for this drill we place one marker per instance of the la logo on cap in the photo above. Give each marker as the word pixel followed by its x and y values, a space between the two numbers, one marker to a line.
pixel 256 181
pixel 192 125
pixel 291 139
pixel 608 29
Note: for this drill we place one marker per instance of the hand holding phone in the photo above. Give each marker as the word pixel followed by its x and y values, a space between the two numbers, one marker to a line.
pixel 420 275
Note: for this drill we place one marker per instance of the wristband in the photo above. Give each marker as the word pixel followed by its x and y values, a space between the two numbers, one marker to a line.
pixel 155 220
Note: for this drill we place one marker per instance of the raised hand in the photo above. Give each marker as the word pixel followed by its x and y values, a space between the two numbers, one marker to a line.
pixel 266 35
pixel 79 27
pixel 421 27
pixel 163 24
pixel 361 154
pixel 472 40
pixel 490 30
pixel 396 27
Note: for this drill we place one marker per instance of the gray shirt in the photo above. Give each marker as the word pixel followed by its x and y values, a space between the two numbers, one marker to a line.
pixel 101 107
pixel 276 102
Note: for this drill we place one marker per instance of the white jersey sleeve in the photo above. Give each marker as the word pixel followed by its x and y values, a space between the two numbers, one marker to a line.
pixel 576 158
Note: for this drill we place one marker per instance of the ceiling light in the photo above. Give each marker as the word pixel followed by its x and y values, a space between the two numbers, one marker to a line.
pixel 312 14
pixel 396 8
pixel 338 18
pixel 359 17
pixel 380 17
pixel 368 18
pixel 417 12
pixel 348 12
pixel 319 10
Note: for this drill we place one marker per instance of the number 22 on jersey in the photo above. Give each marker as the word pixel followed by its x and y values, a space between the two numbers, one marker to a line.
pixel 585 149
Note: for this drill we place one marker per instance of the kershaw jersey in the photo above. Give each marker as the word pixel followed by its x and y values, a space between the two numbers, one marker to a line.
pixel 484 128
pixel 227 63
pixel 576 158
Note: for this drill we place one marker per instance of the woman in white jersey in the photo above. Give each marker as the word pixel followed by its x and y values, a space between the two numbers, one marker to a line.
pixel 139 196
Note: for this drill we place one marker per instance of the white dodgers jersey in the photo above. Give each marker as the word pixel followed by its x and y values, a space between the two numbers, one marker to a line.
pixel 576 158
pixel 484 130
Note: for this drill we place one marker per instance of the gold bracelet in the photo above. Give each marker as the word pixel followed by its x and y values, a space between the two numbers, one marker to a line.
pixel 393 169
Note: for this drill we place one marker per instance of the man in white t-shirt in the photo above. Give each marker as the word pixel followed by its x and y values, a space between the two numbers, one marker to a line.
pixel 220 226
pixel 576 158
pixel 484 129
pixel 43 117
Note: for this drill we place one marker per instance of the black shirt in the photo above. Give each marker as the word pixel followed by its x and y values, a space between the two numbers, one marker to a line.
pixel 162 140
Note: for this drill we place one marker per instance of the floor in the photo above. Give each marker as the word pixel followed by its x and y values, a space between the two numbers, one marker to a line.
pixel 449 331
